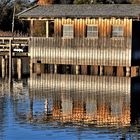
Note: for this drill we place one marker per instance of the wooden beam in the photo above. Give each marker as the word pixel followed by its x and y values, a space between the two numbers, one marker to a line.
pixel 47 29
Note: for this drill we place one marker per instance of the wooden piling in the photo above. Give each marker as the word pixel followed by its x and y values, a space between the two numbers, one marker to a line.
pixel 84 69
pixel 120 71
pixel 75 69
pixel 101 70
pixel 6 65
pixel 19 68
pixel 108 70
pixel 38 68
pixel 50 68
pixel 10 61
pixel 128 71
pixel 3 67
pixel 134 71
pixel 94 70
pixel 55 69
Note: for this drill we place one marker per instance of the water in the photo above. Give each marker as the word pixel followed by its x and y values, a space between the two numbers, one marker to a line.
pixel 68 107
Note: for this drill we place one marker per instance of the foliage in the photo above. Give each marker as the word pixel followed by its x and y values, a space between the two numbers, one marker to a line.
pixel 45 1
pixel 6 10
pixel 6 14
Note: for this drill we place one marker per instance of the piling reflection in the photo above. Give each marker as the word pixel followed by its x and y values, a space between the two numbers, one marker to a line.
pixel 1 116
pixel 3 87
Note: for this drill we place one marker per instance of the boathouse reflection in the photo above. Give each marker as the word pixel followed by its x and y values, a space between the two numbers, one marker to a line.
pixel 100 101
pixel 78 99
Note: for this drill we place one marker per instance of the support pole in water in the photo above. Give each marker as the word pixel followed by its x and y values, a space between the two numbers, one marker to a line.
pixel 10 61
pixel 3 67
pixel 19 68
pixel 55 69
pixel 10 44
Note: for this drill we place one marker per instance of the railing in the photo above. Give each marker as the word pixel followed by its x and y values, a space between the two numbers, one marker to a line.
pixel 5 43
pixel 82 51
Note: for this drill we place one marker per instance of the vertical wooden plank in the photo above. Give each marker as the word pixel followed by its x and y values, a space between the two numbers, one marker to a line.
pixel 56 27
pixel 130 45
pixel 60 28
pixel 75 27
pixel 125 27
pixel 47 29
pixel 31 28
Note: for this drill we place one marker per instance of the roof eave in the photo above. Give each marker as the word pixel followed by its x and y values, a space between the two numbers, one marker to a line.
pixel 76 16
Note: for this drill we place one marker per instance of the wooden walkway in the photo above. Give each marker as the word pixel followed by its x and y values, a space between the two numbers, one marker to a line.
pixel 20 43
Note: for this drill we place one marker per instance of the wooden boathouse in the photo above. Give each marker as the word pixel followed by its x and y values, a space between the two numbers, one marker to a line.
pixel 97 39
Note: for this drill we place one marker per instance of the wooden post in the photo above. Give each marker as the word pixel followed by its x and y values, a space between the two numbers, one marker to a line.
pixel 19 67
pixel 77 69
pixel 38 68
pixel 6 65
pixel 134 71
pixel 63 67
pixel 108 70
pixel 84 69
pixel 32 28
pixel 101 70
pixel 10 61
pixel 127 71
pixel 94 70
pixel 120 71
pixel 42 68
pixel 47 29
pixel 3 67
pixel 50 68
pixel 55 69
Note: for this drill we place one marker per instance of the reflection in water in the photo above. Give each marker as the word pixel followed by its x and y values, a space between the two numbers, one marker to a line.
pixel 76 106
pixel 100 101
pixel 135 102
pixel 3 91
pixel 1 116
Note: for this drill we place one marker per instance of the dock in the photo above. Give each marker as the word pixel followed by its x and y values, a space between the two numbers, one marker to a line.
pixel 71 56
pixel 19 46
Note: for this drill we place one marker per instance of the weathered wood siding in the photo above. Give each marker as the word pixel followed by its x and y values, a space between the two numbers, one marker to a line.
pixel 82 51
pixel 104 26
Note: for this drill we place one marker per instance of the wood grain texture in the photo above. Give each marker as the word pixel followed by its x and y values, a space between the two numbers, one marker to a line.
pixel 81 51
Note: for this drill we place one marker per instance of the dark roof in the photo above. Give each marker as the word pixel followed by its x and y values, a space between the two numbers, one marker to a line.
pixel 83 10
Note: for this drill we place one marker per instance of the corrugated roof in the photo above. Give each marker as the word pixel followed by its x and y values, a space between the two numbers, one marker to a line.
pixel 83 10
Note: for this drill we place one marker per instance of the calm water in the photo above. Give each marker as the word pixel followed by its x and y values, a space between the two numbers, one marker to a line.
pixel 67 107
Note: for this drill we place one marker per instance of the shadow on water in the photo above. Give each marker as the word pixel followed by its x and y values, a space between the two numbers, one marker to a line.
pixel 135 101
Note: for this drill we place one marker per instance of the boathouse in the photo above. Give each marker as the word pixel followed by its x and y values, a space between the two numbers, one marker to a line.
pixel 99 39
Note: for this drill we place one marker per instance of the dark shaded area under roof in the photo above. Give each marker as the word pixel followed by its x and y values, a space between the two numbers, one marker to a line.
pixel 83 10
